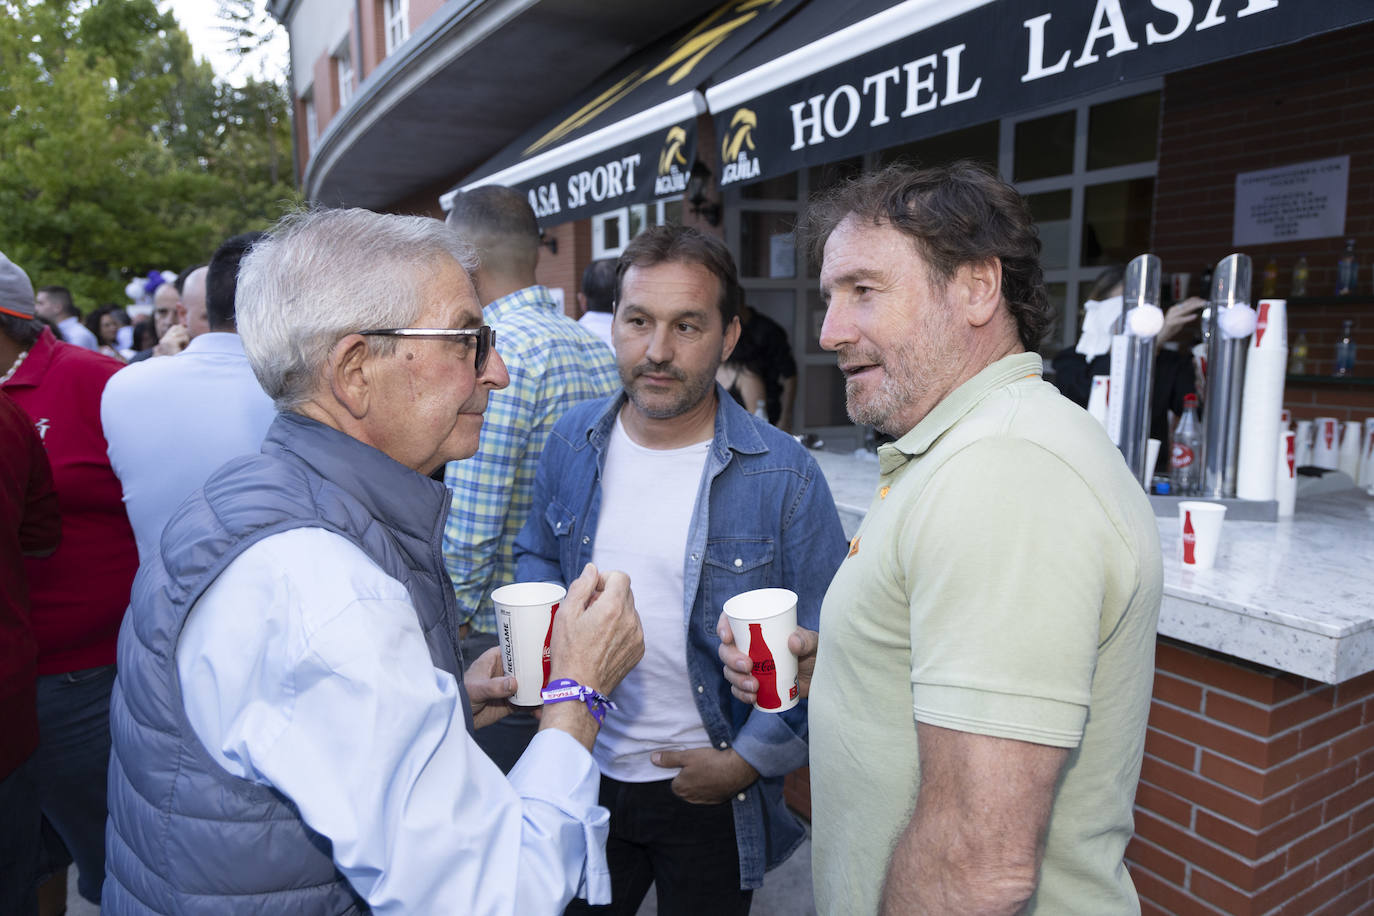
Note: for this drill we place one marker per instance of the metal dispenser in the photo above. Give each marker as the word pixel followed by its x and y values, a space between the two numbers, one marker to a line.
pixel 1133 349
pixel 1225 375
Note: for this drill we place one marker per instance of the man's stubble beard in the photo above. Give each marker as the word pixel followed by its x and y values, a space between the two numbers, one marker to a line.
pixel 693 392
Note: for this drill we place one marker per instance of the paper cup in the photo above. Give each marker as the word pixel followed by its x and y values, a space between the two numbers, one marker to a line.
pixel 1151 456
pixel 524 622
pixel 761 621
pixel 1286 481
pixel 1271 325
pixel 1178 286
pixel 1302 442
pixel 1326 443
pixel 1199 526
pixel 1097 398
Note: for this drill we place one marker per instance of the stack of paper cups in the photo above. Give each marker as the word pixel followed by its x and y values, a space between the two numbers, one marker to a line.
pixel 1304 443
pixel 1367 456
pixel 1286 482
pixel 1266 365
pixel 1271 325
pixel 1348 458
pixel 1325 443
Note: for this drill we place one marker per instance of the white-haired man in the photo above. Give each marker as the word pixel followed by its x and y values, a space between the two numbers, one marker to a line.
pixel 291 723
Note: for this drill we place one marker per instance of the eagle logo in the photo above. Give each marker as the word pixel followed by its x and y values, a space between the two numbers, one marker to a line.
pixel 740 135
pixel 672 151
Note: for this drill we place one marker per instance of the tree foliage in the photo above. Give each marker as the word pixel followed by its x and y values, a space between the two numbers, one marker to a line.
pixel 120 152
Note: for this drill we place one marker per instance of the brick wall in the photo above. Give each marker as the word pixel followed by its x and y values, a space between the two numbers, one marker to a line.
pixel 372 36
pixel 1257 791
pixel 1311 100
pixel 564 269
pixel 420 10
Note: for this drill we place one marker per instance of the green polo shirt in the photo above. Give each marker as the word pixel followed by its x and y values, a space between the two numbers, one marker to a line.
pixel 1006 581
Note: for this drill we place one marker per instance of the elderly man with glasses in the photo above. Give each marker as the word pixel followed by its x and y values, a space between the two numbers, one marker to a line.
pixel 292 726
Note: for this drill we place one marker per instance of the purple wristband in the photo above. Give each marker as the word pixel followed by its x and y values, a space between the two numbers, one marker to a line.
pixel 566 688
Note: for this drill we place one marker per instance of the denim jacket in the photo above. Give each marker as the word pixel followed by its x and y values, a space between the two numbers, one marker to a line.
pixel 765 518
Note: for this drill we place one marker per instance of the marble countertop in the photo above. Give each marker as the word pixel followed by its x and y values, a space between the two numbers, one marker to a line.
pixel 1296 595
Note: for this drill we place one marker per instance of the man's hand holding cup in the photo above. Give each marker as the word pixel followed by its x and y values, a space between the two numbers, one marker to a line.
pixel 596 640
pixel 738 666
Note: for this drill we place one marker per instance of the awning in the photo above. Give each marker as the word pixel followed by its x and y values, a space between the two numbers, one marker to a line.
pixel 630 137
pixel 843 78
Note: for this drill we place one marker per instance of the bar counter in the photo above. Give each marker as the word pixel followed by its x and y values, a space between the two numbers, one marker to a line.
pixel 1256 792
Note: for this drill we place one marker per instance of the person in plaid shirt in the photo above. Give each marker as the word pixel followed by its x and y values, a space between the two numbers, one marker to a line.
pixel 553 363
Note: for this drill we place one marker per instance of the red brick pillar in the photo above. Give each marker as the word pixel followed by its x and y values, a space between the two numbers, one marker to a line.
pixel 1257 791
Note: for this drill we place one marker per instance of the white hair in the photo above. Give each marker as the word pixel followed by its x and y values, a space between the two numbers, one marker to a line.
pixel 320 275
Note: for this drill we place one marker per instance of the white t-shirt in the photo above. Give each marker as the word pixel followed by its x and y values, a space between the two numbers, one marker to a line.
pixel 648 497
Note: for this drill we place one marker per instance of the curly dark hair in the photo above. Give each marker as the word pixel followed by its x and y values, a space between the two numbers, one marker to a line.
pixel 955 214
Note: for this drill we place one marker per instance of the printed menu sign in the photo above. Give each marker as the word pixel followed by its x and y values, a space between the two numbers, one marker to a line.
pixel 1301 201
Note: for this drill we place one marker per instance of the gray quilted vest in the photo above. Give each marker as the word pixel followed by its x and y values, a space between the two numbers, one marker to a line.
pixel 184 836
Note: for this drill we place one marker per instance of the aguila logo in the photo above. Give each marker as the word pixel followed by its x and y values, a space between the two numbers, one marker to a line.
pixel 672 164
pixel 735 148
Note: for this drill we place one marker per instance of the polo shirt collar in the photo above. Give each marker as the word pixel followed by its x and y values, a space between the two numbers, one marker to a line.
pixel 35 365
pixel 956 404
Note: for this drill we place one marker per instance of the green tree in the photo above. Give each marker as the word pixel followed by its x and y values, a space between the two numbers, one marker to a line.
pixel 121 152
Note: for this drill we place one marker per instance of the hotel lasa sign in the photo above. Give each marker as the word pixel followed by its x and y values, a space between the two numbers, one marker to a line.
pixel 649 168
pixel 999 59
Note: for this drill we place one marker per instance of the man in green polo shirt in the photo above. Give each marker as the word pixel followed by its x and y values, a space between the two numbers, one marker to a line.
pixel 986 654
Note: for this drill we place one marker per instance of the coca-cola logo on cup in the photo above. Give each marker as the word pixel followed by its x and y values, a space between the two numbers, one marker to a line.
pixel 1288 443
pixel 1263 324
pixel 1329 431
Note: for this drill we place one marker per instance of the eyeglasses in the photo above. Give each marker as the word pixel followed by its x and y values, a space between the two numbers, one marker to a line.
pixel 485 338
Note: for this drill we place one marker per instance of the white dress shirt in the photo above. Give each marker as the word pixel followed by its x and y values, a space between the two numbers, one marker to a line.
pixel 171 422
pixel 599 323
pixel 327 692
pixel 74 332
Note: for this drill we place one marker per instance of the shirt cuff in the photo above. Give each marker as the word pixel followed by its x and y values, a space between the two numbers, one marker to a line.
pixel 769 745
pixel 558 771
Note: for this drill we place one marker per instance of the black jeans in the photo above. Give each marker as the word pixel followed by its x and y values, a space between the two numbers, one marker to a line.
pixel 688 852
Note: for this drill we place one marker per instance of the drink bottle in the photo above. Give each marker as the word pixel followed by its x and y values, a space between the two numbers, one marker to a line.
pixel 1297 359
pixel 1269 280
pixel 765 671
pixel 1184 457
pixel 1345 350
pixel 1299 278
pixel 1347 270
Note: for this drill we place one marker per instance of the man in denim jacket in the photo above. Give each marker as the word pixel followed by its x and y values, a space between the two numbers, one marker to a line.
pixel 676 484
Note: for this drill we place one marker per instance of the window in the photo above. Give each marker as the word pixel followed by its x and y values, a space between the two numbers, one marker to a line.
pixel 612 231
pixel 343 68
pixel 312 119
pixel 1086 168
pixel 396 27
